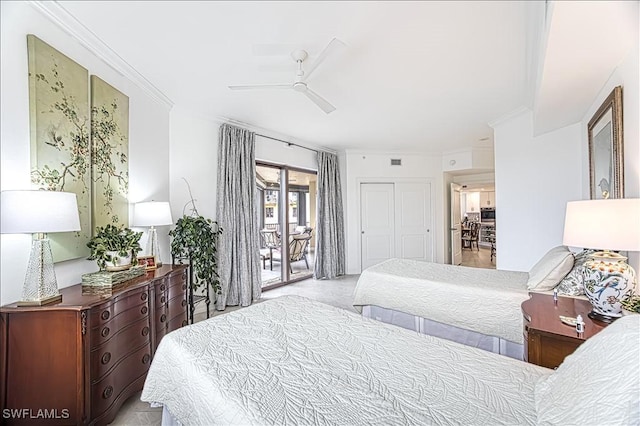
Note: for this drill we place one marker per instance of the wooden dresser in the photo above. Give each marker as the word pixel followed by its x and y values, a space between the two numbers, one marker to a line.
pixel 77 361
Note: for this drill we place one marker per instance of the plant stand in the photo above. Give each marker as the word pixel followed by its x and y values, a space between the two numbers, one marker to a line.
pixel 192 298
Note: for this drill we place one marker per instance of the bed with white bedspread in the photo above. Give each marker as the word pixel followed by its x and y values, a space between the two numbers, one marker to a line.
pixel 295 361
pixel 475 306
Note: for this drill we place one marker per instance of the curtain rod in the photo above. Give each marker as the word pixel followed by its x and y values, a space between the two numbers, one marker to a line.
pixel 287 142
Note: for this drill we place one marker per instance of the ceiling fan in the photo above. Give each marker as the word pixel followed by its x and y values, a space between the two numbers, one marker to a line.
pixel 300 84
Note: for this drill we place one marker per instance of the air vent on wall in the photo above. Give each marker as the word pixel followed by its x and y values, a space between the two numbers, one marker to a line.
pixel 396 162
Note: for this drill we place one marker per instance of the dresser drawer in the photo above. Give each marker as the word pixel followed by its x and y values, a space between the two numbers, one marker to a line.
pixel 161 293
pixel 177 285
pixel 105 391
pixel 177 322
pixel 109 355
pixel 108 329
pixel 105 312
pixel 177 305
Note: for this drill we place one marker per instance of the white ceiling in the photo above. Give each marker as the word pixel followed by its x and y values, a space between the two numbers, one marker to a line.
pixel 415 76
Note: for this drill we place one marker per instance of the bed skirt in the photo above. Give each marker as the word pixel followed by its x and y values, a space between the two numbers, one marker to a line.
pixel 449 332
pixel 168 419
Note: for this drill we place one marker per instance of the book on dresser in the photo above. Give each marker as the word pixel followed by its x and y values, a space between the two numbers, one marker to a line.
pixel 78 361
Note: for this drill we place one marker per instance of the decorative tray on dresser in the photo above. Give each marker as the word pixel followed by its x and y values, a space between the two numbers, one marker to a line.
pixel 77 361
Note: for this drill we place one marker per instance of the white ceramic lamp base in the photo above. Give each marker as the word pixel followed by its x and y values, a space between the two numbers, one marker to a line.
pixel 608 280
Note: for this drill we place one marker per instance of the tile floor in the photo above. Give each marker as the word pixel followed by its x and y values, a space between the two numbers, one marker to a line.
pixel 337 292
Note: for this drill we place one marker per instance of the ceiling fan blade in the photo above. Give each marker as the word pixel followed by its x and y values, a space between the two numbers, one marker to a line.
pixel 320 101
pixel 333 46
pixel 260 86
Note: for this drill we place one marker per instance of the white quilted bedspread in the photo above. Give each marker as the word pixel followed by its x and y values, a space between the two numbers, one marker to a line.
pixel 486 301
pixel 295 361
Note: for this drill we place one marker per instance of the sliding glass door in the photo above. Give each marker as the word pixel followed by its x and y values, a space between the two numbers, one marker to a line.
pixel 286 217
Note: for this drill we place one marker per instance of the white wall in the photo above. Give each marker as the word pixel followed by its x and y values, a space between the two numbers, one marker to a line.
pixel 278 153
pixel 148 135
pixel 375 167
pixel 627 75
pixel 536 176
pixel 194 156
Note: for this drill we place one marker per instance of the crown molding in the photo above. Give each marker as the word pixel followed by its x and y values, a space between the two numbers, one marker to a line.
pixel 68 23
pixel 509 116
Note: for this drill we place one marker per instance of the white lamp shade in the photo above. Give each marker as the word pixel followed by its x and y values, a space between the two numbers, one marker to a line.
pixel 612 224
pixel 29 212
pixel 152 213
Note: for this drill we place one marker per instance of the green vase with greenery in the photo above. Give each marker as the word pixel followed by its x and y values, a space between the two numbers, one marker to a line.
pixel 114 247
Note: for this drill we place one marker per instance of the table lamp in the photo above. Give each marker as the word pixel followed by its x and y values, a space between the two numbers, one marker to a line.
pixel 611 224
pixel 152 213
pixel 38 213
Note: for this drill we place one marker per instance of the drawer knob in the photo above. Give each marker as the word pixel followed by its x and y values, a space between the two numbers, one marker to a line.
pixel 105 315
pixel 108 391
pixel 144 310
pixel 105 332
pixel 163 299
pixel 143 296
pixel 163 318
pixel 184 303
pixel 145 359
pixel 106 358
pixel 145 331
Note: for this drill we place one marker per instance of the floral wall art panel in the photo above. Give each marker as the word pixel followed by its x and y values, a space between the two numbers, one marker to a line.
pixel 59 133
pixel 110 154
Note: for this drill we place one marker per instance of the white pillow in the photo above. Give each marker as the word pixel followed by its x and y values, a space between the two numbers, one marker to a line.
pixel 599 384
pixel 553 267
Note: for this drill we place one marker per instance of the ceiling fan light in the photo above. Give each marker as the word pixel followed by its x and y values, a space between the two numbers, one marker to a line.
pixel 300 87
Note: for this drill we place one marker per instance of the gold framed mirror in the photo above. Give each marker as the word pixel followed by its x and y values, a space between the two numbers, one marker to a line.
pixel 606 155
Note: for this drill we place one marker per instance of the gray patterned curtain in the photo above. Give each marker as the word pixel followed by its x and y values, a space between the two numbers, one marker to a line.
pixel 238 250
pixel 330 260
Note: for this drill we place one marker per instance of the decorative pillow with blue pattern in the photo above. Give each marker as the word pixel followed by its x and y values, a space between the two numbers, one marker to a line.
pixel 572 284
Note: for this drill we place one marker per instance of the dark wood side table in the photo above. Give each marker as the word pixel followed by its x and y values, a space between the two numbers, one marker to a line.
pixel 547 341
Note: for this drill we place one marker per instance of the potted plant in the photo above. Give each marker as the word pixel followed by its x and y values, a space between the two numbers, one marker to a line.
pixel 196 238
pixel 114 247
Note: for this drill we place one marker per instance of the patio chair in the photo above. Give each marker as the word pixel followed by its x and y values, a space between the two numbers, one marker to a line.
pixel 270 241
pixel 298 244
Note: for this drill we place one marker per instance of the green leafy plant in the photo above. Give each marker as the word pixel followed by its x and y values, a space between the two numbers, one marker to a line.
pixel 112 238
pixel 632 303
pixel 196 238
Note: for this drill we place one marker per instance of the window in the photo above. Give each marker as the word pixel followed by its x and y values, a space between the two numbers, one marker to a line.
pixel 268 212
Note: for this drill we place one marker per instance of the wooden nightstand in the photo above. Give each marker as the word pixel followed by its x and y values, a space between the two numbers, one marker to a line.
pixel 547 341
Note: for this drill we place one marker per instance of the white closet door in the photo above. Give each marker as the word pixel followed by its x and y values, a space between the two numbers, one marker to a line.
pixel 413 221
pixel 377 221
